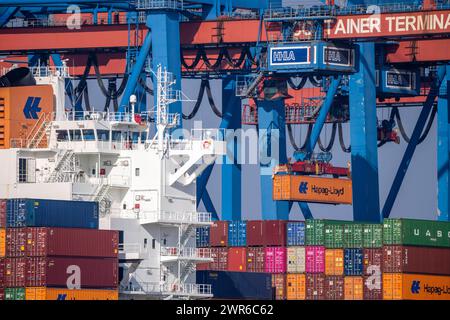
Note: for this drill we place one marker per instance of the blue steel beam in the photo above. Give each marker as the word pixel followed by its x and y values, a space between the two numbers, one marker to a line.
pixel 363 134
pixel 272 151
pixel 443 165
pixel 411 148
pixel 6 14
pixel 209 205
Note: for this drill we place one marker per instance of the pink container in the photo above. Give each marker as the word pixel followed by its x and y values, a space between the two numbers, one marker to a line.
pixel 315 259
pixel 275 261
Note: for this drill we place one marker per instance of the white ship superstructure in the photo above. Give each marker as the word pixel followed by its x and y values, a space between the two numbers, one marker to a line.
pixel 143 180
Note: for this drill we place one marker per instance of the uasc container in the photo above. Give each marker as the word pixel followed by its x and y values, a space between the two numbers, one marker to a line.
pixel 398 286
pixel 334 236
pixel 353 288
pixel 353 235
pixel 237 233
pixel 315 259
pixel 295 286
pixel 315 286
pixel 43 293
pixel 202 237
pixel 14 293
pixel 315 230
pixel 334 288
pixel 52 213
pixel 2 243
pixel 353 262
pixel 255 259
pixel 334 262
pixel 372 235
pixel 295 233
pixel 296 260
pixel 275 259
pixel 237 259
pixel 71 242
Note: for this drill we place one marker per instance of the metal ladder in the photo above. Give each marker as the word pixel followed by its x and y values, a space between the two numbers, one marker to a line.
pixel 62 166
pixel 103 199
pixel 40 131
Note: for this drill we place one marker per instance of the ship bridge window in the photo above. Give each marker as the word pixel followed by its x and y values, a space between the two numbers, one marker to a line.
pixel 75 135
pixel 89 135
pixel 103 135
pixel 135 137
pixel 116 136
pixel 62 135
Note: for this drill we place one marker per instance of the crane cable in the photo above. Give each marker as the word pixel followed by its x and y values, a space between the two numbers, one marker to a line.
pixel 300 85
pixel 292 140
pixel 201 93
pixel 341 139
pixel 332 138
pixel 113 95
pixel 402 130
pixel 211 100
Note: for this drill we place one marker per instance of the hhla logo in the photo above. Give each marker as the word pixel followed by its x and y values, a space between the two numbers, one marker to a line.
pixel 74 280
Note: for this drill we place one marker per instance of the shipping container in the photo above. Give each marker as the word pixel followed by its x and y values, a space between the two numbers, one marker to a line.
pixel 314 189
pixel 315 286
pixel 334 262
pixel 373 287
pixel 16 240
pixel 237 259
pixel 15 124
pixel 2 293
pixel 334 288
pixel 416 232
pixel 220 258
pixel 202 237
pixel 372 235
pixel 2 272
pixel 295 233
pixel 334 236
pixel 218 234
pixel 52 213
pixel 238 285
pixel 237 233
pixel 353 235
pixel 43 293
pixel 279 286
pixel 401 286
pixel 315 230
pixel 353 288
pixel 372 261
pixel 71 242
pixel 315 259
pixel 255 233
pixel 59 271
pixel 296 286
pixel 353 262
pixel 255 259
pixel 14 293
pixel 296 260
pixel 2 243
pixel 422 260
pixel 275 233
pixel 3 203
pixel 15 272
pixel 275 259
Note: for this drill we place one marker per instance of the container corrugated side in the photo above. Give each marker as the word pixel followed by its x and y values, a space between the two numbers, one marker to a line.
pixel 255 233
pixel 237 259
pixel 237 233
pixel 220 258
pixel 296 259
pixel 279 286
pixel 373 287
pixel 334 288
pixel 43 293
pixel 2 293
pixel 218 234
pixel 315 286
pixel 275 259
pixel 275 232
pixel 14 293
pixel 2 243
pixel 334 236
pixel 372 235
pixel 295 286
pixel 16 240
pixel 255 259
pixel 15 272
pixel 202 237
pixel 315 230
pixel 372 261
pixel 3 205
pixel 315 259
pixel 353 235
pixel 334 262
pixel 401 286
pixel 353 262
pixel 295 233
pixel 353 288
pixel 2 272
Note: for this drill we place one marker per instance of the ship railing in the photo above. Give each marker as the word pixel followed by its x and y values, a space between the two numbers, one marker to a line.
pixel 48 71
pixel 98 116
pixel 63 21
pixel 158 4
pixel 186 252
pixel 130 248
pixel 158 288
pixel 112 180
pixel 88 145
pixel 172 216
pixel 18 143
pixel 209 135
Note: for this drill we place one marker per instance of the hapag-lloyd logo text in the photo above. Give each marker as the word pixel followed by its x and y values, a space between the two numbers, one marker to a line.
pixel 327 190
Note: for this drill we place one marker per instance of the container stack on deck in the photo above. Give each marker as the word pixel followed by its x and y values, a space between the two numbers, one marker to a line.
pixel 53 250
pixel 327 260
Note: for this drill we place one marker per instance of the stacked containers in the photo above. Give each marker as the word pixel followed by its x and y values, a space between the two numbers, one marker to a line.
pixel 352 240
pixel 416 259
pixel 237 233
pixel 296 260
pixel 2 247
pixel 372 261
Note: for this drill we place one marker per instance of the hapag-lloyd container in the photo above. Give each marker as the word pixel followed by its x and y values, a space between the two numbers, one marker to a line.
pixel 353 235
pixel 237 259
pixel 372 235
pixel 295 286
pixel 295 233
pixel 334 288
pixel 279 285
pixel 334 262
pixel 16 240
pixel 15 272
pixel 255 233
pixel 353 288
pixel 237 233
pixel 2 243
pixel 296 259
pixel 372 261
pixel 416 232
pixel 397 286
pixel 218 234
pixel 3 203
pixel 43 293
pixel 315 286
pixel 56 271
pixel 52 213
pixel 71 242
pixel 202 237
pixel 315 259
pixel 255 259
pixel 422 260
pixel 353 262
pixel 275 259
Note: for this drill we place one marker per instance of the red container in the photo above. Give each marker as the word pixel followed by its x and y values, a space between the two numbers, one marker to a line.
pixel 334 287
pixel 220 259
pixel 218 234
pixel 255 259
pixel 372 261
pixel 2 294
pixel 3 213
pixel 315 259
pixel 2 272
pixel 275 259
pixel 16 240
pixel 15 272
pixel 53 242
pixel 275 232
pixel 59 271
pixel 279 285
pixel 373 287
pixel 203 266
pixel 237 257
pixel 420 260
pixel 315 286
pixel 255 233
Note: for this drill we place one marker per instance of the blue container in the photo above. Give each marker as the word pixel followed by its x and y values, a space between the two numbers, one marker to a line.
pixel 238 285
pixel 202 237
pixel 237 233
pixel 51 213
pixel 353 262
pixel 295 233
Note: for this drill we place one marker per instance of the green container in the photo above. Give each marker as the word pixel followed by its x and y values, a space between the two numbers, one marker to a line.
pixel 353 235
pixel 416 232
pixel 372 235
pixel 334 236
pixel 315 233
pixel 15 294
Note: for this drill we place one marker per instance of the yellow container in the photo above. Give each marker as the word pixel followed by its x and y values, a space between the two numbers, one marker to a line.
pixel 401 286
pixel 334 262
pixel 43 293
pixel 296 286
pixel 2 243
pixel 353 288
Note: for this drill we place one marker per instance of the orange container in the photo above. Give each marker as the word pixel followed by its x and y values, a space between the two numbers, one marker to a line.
pixel 353 288
pixel 21 110
pixel 2 243
pixel 312 189
pixel 279 285
pixel 334 262
pixel 401 286
pixel 296 287
pixel 43 293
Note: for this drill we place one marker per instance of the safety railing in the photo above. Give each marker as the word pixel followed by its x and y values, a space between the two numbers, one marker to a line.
pixel 48 71
pixel 177 217
pixel 87 145
pixel 187 252
pixel 158 4
pixel 130 248
pixel 170 289
pixel 96 115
